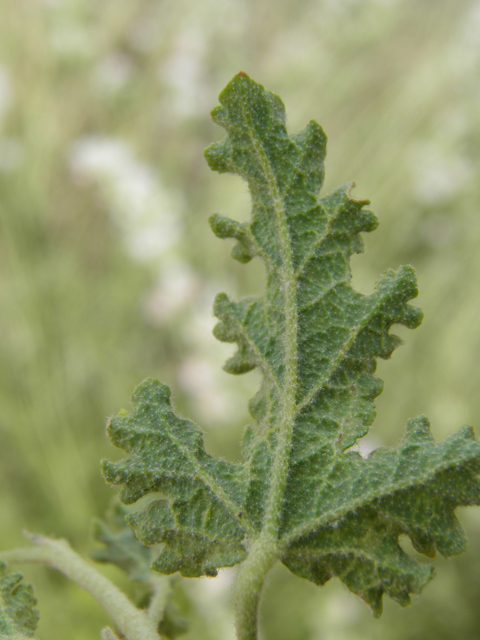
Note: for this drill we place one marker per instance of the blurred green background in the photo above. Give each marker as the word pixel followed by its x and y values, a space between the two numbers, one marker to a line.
pixel 108 268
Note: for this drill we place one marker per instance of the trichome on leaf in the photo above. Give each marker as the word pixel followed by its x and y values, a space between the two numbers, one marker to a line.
pixel 304 496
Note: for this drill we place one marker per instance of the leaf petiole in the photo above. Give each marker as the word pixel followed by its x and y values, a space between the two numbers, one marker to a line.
pixel 132 623
pixel 249 583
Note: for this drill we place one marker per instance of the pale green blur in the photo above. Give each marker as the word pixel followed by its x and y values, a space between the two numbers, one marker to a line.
pixel 109 269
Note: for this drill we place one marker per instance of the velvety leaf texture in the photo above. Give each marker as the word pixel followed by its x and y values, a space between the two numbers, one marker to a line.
pixel 18 618
pixel 315 341
pixel 195 513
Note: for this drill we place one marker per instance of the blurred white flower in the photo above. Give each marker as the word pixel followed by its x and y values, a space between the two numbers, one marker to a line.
pixel 183 73
pixel 146 212
pixel 469 40
pixel 198 376
pixel 175 290
pixel 438 174
pixel 95 156
pixel 214 595
pixel 113 72
pixel 216 395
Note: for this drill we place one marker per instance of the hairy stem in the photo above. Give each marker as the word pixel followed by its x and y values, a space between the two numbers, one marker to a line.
pixel 249 584
pixel 289 286
pixel 264 551
pixel 162 590
pixel 133 623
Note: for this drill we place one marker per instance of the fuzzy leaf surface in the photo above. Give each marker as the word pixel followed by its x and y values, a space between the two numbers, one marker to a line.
pixel 194 511
pixel 18 618
pixel 315 341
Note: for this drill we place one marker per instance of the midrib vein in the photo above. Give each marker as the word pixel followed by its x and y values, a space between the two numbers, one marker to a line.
pixel 280 465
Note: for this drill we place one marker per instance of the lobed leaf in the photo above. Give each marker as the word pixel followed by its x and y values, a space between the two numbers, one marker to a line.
pixel 315 341
pixel 349 524
pixel 18 618
pixel 198 498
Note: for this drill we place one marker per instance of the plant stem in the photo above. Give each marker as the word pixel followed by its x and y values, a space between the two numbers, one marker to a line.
pixel 264 550
pixel 162 588
pixel 249 584
pixel 133 623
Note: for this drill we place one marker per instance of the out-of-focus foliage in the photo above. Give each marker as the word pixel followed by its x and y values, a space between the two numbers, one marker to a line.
pixel 106 257
pixel 18 618
pixel 120 547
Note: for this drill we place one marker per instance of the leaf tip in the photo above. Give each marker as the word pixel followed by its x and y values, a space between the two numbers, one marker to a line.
pixel 418 430
pixel 373 597
pixel 151 391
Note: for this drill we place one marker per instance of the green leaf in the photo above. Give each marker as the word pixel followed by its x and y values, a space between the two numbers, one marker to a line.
pixel 199 498
pixel 18 618
pixel 349 525
pixel 120 546
pixel 318 506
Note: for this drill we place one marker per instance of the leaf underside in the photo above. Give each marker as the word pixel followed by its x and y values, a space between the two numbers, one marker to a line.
pixel 342 515
pixel 18 618
pixel 120 547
